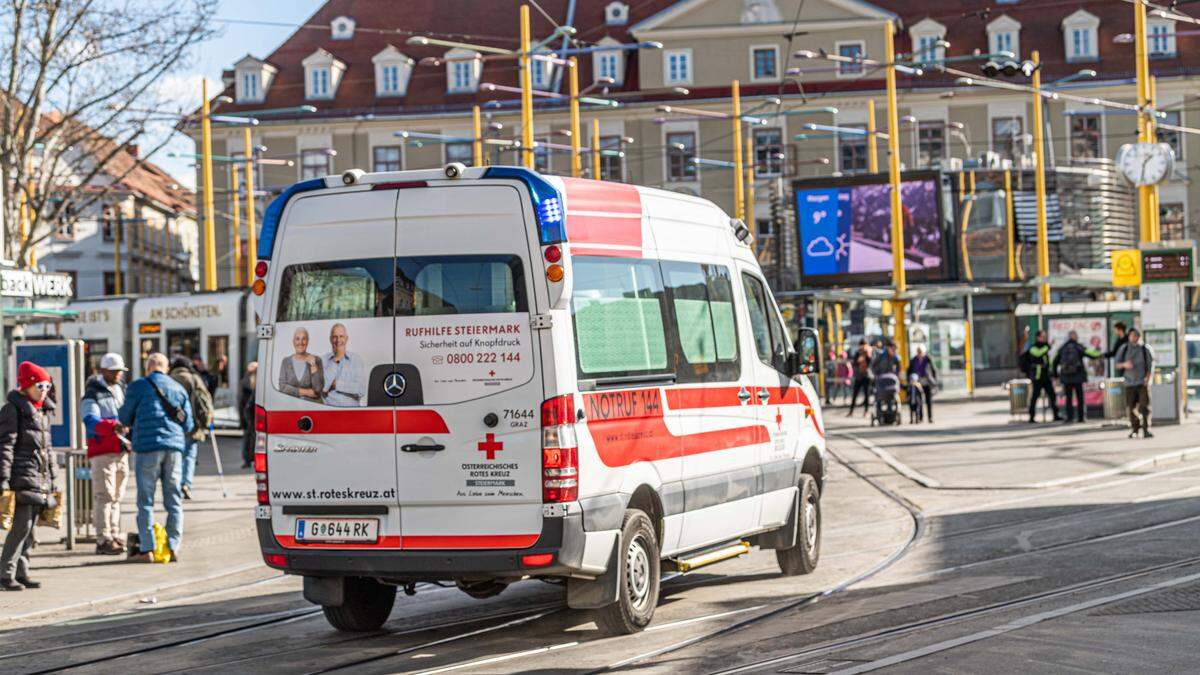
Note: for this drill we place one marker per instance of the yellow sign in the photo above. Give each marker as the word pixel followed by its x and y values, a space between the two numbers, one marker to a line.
pixel 1127 267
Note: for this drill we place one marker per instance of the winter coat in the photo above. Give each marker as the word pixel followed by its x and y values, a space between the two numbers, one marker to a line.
pixel 99 411
pixel 153 429
pixel 1068 362
pixel 1035 363
pixel 246 401
pixel 885 363
pixel 199 399
pixel 26 463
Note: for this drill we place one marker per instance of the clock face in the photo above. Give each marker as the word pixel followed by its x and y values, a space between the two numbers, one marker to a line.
pixel 1145 163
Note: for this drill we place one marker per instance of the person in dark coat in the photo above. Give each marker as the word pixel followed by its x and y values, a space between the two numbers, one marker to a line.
pixel 1072 373
pixel 926 373
pixel 1035 362
pixel 246 412
pixel 26 467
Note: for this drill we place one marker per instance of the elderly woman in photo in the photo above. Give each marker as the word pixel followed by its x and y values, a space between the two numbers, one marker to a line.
pixel 301 374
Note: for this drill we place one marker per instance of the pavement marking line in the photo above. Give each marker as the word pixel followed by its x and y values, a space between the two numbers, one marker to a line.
pixel 698 619
pixel 1016 624
pixel 498 659
pixel 900 467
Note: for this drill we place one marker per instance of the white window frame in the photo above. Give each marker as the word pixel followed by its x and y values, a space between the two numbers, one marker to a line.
pixel 1081 20
pixel 1168 27
pixel 617 54
pixel 1004 25
pixel 924 30
pixel 689 60
pixel 753 65
pixel 319 61
pixel 475 68
pixel 390 57
pixel 541 73
pixel 263 72
pixel 862 51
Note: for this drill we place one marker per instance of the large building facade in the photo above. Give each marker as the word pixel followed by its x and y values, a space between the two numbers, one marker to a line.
pixel 353 62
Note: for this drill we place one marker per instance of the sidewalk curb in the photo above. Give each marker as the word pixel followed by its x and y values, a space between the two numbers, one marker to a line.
pixel 934 484
pixel 133 594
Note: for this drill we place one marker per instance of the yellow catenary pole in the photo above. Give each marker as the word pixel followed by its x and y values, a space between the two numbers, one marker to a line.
pixel 1142 70
pixel 526 93
pixel 576 141
pixel 251 216
pixel 1152 136
pixel 476 137
pixel 749 180
pixel 739 205
pixel 235 224
pixel 1039 179
pixel 1010 236
pixel 872 151
pixel 899 280
pixel 596 150
pixel 210 244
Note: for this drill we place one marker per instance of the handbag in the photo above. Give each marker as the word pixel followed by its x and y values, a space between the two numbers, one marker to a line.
pixel 8 506
pixel 52 514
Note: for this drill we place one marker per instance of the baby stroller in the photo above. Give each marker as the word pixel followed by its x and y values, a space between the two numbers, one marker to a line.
pixel 916 400
pixel 887 407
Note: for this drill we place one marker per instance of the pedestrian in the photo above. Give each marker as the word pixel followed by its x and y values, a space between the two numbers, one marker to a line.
pixel 201 403
pixel 861 365
pixel 107 450
pixel 26 467
pixel 157 409
pixel 922 366
pixel 246 412
pixel 1072 373
pixel 201 370
pixel 1122 332
pixel 844 374
pixel 886 361
pixel 1035 363
pixel 1137 363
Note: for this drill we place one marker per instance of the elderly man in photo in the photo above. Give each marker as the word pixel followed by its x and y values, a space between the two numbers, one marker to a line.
pixel 346 382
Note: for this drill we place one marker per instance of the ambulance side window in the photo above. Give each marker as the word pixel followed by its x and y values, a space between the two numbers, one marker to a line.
pixel 701 299
pixel 619 311
pixel 337 289
pixel 764 328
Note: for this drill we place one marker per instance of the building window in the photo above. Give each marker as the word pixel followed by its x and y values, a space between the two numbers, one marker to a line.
pixel 764 63
pixel 852 150
pixel 1085 137
pixel 677 66
pixel 1172 137
pixel 541 156
pixel 314 164
pixel 250 86
pixel 462 71
pixel 1172 217
pixel 1081 43
pixel 606 65
pixel 1004 35
pixel 391 79
pixel 850 50
pixel 388 158
pixel 926 36
pixel 768 152
pixel 460 152
pixel 612 166
pixel 1079 34
pixel 319 84
pixel 931 143
pixel 1161 39
pixel 681 149
pixel 1006 135
pixel 110 283
pixel 1002 42
pixel 542 73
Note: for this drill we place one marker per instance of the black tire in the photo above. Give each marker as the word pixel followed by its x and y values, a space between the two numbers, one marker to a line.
pixel 638 570
pixel 367 605
pixel 803 557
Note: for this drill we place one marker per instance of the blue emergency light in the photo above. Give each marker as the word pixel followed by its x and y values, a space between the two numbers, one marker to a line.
pixel 548 204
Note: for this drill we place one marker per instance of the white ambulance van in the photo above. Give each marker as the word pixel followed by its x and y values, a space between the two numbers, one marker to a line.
pixel 483 375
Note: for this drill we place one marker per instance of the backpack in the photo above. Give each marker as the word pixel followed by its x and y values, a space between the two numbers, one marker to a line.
pixel 1070 362
pixel 202 404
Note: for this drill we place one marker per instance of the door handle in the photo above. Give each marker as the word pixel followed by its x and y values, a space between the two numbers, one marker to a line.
pixel 764 395
pixel 416 447
pixel 744 395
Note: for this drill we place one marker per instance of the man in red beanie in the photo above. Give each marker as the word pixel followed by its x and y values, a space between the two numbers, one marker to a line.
pixel 26 467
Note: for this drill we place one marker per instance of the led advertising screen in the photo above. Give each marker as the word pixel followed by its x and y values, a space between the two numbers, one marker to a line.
pixel 845 230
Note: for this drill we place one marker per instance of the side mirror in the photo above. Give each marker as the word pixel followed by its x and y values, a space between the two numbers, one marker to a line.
pixel 806 360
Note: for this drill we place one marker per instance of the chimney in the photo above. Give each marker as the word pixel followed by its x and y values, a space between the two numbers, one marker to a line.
pixel 132 148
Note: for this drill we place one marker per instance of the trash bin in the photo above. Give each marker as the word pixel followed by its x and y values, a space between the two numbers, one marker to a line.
pixel 1018 395
pixel 1114 398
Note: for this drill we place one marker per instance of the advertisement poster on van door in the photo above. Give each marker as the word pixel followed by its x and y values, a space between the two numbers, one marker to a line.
pixel 466 356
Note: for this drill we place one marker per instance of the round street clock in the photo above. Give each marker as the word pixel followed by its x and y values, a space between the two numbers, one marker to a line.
pixel 1145 163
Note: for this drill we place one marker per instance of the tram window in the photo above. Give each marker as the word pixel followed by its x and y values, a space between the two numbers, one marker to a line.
pixel 94 350
pixel 146 347
pixel 183 342
pixel 218 358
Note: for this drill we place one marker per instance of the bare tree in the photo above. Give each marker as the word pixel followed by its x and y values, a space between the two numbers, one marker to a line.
pixel 80 82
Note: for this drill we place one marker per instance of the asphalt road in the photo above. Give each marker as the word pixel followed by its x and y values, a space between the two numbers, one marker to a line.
pixel 1097 570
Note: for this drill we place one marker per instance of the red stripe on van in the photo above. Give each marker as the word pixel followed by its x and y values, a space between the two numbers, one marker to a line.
pixel 603 213
pixel 354 421
pixel 289 541
pixel 698 398
pixel 469 541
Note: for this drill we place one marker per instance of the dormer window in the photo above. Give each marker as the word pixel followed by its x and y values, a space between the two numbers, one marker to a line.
pixel 341 28
pixel 1004 35
pixel 610 63
pixel 926 36
pixel 677 67
pixel 541 73
pixel 322 75
pixel 1160 38
pixel 462 71
pixel 251 79
pixel 392 72
pixel 616 14
pixel 1080 36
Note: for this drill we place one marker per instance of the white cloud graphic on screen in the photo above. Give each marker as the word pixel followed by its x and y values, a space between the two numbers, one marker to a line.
pixel 819 248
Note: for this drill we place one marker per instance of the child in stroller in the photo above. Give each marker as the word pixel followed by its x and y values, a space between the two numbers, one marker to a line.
pixel 887 408
pixel 916 400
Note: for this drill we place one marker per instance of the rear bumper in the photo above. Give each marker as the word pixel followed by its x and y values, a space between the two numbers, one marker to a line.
pixel 574 553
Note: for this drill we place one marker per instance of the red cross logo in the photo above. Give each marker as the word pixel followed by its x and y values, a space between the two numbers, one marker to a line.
pixel 491 373
pixel 491 446
pixel 779 418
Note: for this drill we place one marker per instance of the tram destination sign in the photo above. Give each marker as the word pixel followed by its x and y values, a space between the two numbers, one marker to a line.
pixel 1174 265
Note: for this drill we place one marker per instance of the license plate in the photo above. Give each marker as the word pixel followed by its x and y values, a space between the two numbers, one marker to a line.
pixel 337 530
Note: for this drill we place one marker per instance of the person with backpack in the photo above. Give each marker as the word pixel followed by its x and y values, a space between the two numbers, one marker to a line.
pixel 27 467
pixel 201 403
pixel 1035 363
pixel 1072 373
pixel 158 411
pixel 107 450
pixel 861 365
pixel 1136 362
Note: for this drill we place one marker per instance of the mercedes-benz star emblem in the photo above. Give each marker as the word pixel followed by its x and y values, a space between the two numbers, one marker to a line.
pixel 394 385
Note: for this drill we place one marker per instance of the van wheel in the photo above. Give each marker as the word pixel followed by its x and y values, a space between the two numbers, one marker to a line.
pixel 803 556
pixel 366 606
pixel 638 578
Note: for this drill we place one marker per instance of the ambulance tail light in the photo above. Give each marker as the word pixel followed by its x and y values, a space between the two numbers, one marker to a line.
pixel 560 451
pixel 260 454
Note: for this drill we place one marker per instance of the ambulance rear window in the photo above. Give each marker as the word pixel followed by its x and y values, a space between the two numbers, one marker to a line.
pixel 460 284
pixel 336 289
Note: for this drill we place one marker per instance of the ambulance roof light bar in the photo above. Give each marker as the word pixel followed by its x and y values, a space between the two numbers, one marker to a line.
pixel 548 204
